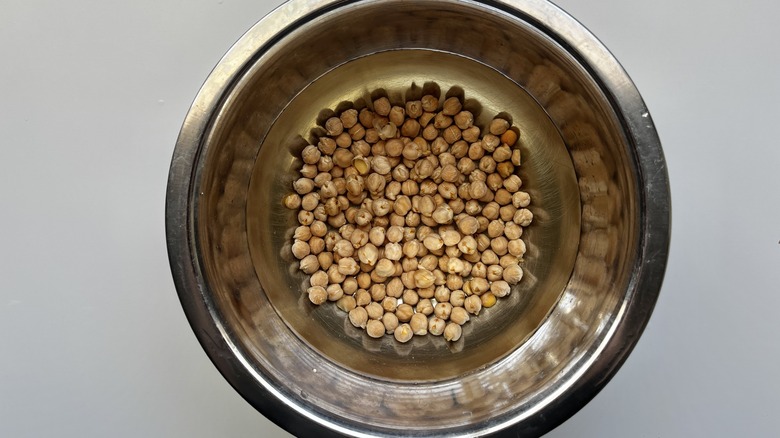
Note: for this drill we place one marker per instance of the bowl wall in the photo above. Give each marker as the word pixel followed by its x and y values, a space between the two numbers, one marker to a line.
pixel 547 173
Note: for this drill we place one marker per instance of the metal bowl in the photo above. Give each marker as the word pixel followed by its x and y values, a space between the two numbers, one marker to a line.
pixel 596 252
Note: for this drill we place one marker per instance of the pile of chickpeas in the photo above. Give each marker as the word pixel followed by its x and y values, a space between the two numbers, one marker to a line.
pixel 410 218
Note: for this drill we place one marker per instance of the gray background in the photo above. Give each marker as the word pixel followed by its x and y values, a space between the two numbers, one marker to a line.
pixel 92 336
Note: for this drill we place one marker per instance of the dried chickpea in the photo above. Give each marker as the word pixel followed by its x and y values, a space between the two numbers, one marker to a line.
pixel 443 214
pixel 404 312
pixel 507 260
pixel 382 106
pixel 478 189
pixel 468 225
pixel 335 292
pixel 487 164
pixel 509 137
pixel 505 169
pixel 495 272
pixel 488 300
pixel 436 326
pixel 441 121
pixel 499 245
pixel 515 157
pixel 349 285
pixel 464 119
pixel 303 186
pixel 476 151
pixel 516 247
pixel 407 278
pixel 414 108
pixel 452 106
pixel 317 295
pixel 425 118
pixel 430 132
pixel 334 276
pixel 468 245
pixel 457 298
pixel 495 228
pixel 311 154
pixel 442 294
pixel 452 251
pixel 512 231
pixel 384 268
pixel 363 280
pixel 459 315
pixel 381 165
pixel 366 118
pixel 479 285
pixel 343 158
pixel 523 217
pixel 362 297
pixel 410 297
pixel 452 332
pixel 411 248
pixel 424 306
pixel 325 259
pixel 403 333
pixel 309 171
pixel 374 310
pixel 410 128
pixel 419 324
pixel 334 126
pixel 507 213
pixel 317 245
pixel 433 242
pixel 358 317
pixel 521 199
pixel 503 197
pixel 346 303
pixel 300 249
pixel 451 134
pixel 390 321
pixel 326 145
pixel 513 274
pixel 319 278
pixel 389 304
pixel 455 266
pixel 479 270
pixel 473 304
pixel 498 126
pixel 394 288
pixel 443 310
pixel 292 201
pixel 430 103
pixel 378 292
pixel 375 328
pixel 424 278
pixel 397 115
pixel 349 118
pixel 309 264
pixel 471 134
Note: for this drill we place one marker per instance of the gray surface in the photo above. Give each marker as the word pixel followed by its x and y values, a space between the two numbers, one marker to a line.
pixel 95 343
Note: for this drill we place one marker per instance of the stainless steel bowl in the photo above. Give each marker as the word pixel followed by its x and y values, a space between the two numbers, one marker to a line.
pixel 597 251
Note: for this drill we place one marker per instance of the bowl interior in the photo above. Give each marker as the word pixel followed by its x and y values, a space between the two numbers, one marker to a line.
pixel 547 173
pixel 516 358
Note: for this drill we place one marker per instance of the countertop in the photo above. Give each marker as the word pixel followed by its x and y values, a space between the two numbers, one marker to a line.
pixel 94 341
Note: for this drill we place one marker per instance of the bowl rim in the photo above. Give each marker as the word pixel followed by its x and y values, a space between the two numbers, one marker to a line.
pixel 654 198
